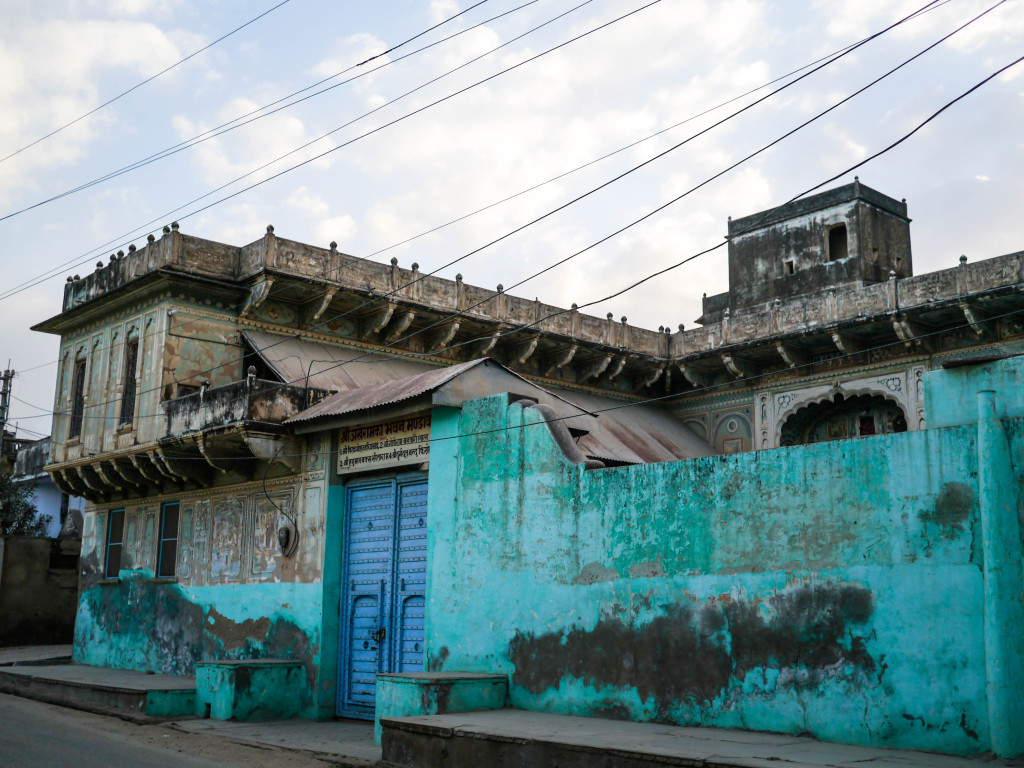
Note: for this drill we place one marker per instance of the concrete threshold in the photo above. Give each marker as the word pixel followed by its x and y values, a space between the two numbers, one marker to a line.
pixel 135 696
pixel 340 742
pixel 22 655
pixel 517 737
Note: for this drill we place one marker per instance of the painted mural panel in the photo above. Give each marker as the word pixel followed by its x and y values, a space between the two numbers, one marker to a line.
pixel 183 569
pixel 269 514
pixel 226 539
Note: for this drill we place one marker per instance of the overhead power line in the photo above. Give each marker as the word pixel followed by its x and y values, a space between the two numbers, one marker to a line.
pixel 564 174
pixel 844 51
pixel 665 270
pixel 108 102
pixel 241 120
pixel 119 240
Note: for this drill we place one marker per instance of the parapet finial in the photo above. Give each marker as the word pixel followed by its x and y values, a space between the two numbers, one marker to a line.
pixel 174 226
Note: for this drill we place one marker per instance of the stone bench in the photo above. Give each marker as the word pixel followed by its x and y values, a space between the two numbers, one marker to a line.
pixel 249 689
pixel 411 694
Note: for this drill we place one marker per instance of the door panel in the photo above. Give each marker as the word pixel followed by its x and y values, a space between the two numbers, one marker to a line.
pixel 384 589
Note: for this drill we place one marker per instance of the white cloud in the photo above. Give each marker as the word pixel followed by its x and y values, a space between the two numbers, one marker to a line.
pixel 308 203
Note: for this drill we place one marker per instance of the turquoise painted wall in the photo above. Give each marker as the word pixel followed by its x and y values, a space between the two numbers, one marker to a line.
pixel 835 589
pixel 151 625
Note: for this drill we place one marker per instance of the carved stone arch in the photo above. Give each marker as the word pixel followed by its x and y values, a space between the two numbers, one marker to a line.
pixel 847 391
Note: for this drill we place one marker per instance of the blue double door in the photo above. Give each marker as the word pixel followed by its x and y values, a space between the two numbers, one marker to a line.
pixel 383 596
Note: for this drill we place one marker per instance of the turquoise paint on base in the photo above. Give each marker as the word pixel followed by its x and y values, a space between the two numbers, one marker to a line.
pixel 268 690
pixel 170 703
pixel 147 625
pixel 572 581
pixel 425 693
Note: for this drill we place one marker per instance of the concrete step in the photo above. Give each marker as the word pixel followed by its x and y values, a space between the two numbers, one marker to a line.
pixel 514 738
pixel 135 696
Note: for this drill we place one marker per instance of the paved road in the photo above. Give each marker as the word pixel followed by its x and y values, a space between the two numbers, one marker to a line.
pixel 37 735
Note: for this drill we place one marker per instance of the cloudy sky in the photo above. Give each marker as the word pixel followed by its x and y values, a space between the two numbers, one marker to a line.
pixel 963 176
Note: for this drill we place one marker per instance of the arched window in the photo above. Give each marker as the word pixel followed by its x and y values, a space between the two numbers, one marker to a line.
pixel 131 364
pixel 77 396
pixel 843 417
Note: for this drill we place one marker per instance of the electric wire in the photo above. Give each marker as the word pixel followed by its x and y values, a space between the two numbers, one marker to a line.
pixel 464 310
pixel 754 224
pixel 564 174
pixel 139 85
pixel 237 122
pixel 141 229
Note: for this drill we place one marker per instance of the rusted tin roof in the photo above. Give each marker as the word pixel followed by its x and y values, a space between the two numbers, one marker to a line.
pixel 329 367
pixel 636 434
pixel 384 393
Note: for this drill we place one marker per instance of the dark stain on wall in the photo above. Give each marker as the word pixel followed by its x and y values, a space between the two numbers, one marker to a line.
pixel 952 508
pixel 436 661
pixel 159 620
pixel 691 654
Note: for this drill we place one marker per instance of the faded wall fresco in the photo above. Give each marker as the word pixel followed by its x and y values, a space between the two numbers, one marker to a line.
pixel 234 595
pixel 836 589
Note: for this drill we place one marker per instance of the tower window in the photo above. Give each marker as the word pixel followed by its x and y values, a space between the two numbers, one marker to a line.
pixel 788 267
pixel 77 400
pixel 837 245
pixel 131 359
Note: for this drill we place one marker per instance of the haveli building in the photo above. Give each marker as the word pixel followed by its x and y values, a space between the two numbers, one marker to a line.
pixel 272 442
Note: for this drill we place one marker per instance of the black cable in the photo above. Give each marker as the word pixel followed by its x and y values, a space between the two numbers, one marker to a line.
pixel 231 125
pixel 577 168
pixel 139 85
pixel 89 254
pixel 753 225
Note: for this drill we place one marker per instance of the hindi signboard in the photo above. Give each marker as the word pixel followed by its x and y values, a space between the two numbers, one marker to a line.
pixel 390 444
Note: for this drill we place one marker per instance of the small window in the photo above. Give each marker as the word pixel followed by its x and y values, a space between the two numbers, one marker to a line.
pixel 168 539
pixel 77 400
pixel 789 267
pixel 115 541
pixel 837 246
pixel 184 390
pixel 131 360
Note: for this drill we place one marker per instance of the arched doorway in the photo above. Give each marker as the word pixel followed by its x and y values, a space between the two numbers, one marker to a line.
pixel 843 417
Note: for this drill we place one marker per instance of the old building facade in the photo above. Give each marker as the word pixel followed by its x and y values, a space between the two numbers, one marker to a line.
pixel 255 427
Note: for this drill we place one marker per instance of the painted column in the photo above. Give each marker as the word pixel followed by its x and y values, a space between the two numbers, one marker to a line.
pixel 1004 583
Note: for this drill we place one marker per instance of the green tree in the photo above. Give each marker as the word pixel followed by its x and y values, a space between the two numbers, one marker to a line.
pixel 18 514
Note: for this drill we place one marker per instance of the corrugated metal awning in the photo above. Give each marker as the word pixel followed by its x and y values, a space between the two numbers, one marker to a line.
pixel 639 433
pixel 384 393
pixel 329 367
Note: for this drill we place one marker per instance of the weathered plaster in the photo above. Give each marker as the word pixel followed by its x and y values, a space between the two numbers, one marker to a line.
pixel 835 589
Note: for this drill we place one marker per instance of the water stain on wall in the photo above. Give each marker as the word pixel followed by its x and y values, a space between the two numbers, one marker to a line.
pixel 952 508
pixel 690 654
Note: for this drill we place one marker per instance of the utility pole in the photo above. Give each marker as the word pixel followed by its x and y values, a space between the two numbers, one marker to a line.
pixel 5 405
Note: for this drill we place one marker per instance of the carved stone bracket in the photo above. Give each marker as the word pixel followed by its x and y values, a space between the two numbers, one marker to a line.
pixel 738 367
pixel 595 367
pixel 486 344
pixel 257 295
pixel 846 344
pixel 698 379
pixel 616 368
pixel 792 356
pixel 978 320
pixel 285 451
pixel 116 483
pixel 561 359
pixel 315 309
pixel 204 450
pixel 524 351
pixel 443 336
pixel 399 326
pixel 376 321
pixel 649 378
pixel 910 333
pixel 146 466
